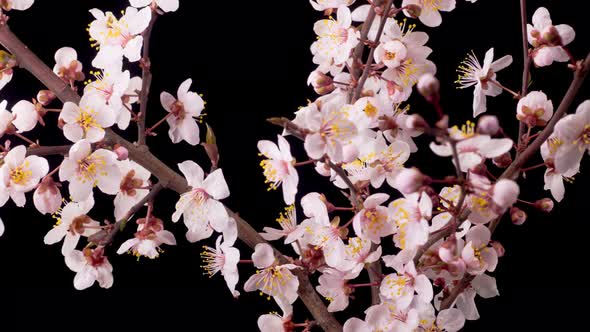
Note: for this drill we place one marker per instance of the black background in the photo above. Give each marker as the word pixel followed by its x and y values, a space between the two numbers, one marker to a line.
pixel 251 59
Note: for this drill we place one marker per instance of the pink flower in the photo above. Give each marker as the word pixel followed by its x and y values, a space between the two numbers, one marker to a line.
pixel 67 65
pixel 333 286
pixel 478 256
pixel 548 39
pixel 290 230
pixel 336 38
pixel 278 168
pixel 86 120
pixel 72 223
pixel 223 258
pixel 149 237
pixel 534 109
pixel 85 169
pixel 133 187
pixel 47 196
pixel 20 175
pixel 90 265
pixel 411 215
pixel 373 221
pixel 400 287
pixel 183 112
pixel 200 207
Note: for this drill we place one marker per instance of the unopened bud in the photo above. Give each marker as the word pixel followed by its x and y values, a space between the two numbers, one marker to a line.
pixel 45 97
pixel 518 216
pixel 505 193
pixel 416 122
pixel 428 86
pixel 409 180
pixel 545 205
pixel 122 152
pixel 499 248
pixel 321 83
pixel 488 125
pixel 413 10
pixel 503 161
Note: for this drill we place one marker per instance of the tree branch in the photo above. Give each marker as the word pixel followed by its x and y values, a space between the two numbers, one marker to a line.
pixel 168 177
pixel 525 73
pixel 146 80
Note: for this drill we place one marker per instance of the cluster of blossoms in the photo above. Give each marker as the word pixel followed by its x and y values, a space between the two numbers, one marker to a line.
pixel 424 244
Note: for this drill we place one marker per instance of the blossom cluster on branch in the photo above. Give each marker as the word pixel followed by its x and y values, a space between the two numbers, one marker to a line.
pixel 421 244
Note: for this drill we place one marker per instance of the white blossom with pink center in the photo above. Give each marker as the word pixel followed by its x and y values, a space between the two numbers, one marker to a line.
pixel 534 109
pixel 278 167
pixel 183 113
pixel 149 237
pixel 401 286
pixel 411 215
pixel 573 131
pixel 133 188
pixel 223 258
pixel 478 256
pixel 290 230
pixel 548 39
pixel 90 265
pixel 373 222
pixel 67 65
pixel 336 39
pixel 72 223
pixel 333 286
pixel 20 174
pixel 430 10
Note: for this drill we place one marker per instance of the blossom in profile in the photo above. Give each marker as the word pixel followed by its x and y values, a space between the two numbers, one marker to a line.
pixel 429 13
pixel 67 65
pixel 573 131
pixel 278 167
pixel 224 259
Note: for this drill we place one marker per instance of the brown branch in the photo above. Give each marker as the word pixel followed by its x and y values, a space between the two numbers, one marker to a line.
pixel 354 194
pixel 526 71
pixel 168 177
pixel 359 88
pixel 49 150
pixel 107 236
pixel 146 80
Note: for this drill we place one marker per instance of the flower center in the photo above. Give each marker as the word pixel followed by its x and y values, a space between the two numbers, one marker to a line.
pixel 89 168
pixel 20 174
pixel 86 119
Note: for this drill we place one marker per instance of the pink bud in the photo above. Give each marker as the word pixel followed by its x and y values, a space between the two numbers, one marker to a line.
pixel 47 197
pixel 503 161
pixel 409 180
pixel 499 248
pixel 545 204
pixel 122 152
pixel 488 125
pixel 322 83
pixel 518 216
pixel 45 97
pixel 505 193
pixel 416 122
pixel 428 86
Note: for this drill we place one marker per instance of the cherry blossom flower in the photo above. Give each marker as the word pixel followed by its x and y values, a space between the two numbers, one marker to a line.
pixel 278 168
pixel 72 223
pixel 20 174
pixel 386 161
pixel 86 120
pixel 483 77
pixel 554 179
pixel 7 62
pixel 290 230
pixel 333 286
pixel 118 37
pixel 133 187
pixel 90 265
pixel 183 113
pixel 1 227
pixel 429 13
pixel 112 86
pixel 223 258
pixel 26 115
pixel 272 279
pixel 373 221
pixel 16 4
pixel 85 169
pixel 67 65
pixel 149 237
pixel 411 215
pixel 336 38
pixel 482 285
pixel 505 193
pixel 274 323
pixel 322 5
pixel 166 5
pixel 547 39
pixel 534 109
pixel 449 320
pixel 476 254
pixel 200 207
pixel 401 286
pixel 358 253
pixel 47 196
pixel 573 131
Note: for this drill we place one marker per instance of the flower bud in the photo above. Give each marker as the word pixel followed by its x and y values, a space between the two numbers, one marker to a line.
pixel 428 86
pixel 47 197
pixel 488 125
pixel 545 204
pixel 413 10
pixel 499 248
pixel 518 216
pixel 409 180
pixel 321 83
pixel 505 193
pixel 503 161
pixel 416 122
pixel 45 97
pixel 122 152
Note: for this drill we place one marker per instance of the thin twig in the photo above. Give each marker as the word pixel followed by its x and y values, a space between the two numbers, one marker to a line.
pixel 526 71
pixel 146 80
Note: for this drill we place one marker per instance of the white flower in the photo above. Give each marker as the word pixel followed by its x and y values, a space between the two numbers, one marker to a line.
pixel 183 112
pixel 148 238
pixel 223 258
pixel 133 187
pixel 67 65
pixel 411 215
pixel 471 73
pixel 16 4
pixel 90 265
pixel 118 37
pixel 47 196
pixel 573 131
pixel 165 5
pixel 322 5
pixel 400 286
pixel 290 230
pixel 85 169
pixel 429 13
pixel 5 118
pixel 278 168
pixel 336 38
pixel 548 39
pixel 86 120
pixel 373 221
pixel 20 175
pixel 333 286
pixel 25 115
pixel 73 222
pixel 112 86
pixel 200 207
pixel 554 179
pixel 534 109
